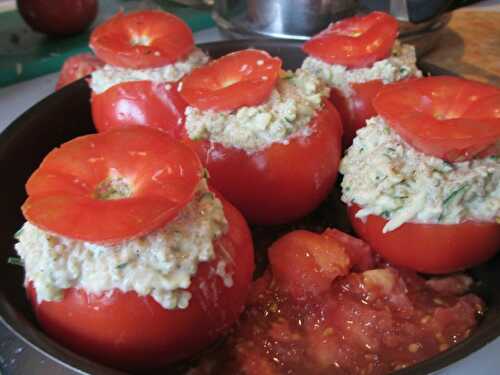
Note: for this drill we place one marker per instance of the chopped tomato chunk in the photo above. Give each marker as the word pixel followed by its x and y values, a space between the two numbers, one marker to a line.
pixel 373 322
pixel 243 78
pixel 112 186
pixel 306 263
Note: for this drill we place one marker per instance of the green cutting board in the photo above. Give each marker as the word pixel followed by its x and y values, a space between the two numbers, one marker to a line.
pixel 25 54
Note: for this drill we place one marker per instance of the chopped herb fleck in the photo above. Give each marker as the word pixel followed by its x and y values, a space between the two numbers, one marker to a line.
pixel 385 214
pixel 17 235
pixel 454 194
pixel 122 266
pixel 16 261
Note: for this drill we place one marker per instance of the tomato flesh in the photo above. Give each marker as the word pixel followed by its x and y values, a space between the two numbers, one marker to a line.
pixel 112 186
pixel 317 260
pixel 128 331
pixel 145 103
pixel 143 39
pixel 76 67
pixel 261 184
pixel 375 322
pixel 451 118
pixel 243 78
pixel 355 42
pixel 430 248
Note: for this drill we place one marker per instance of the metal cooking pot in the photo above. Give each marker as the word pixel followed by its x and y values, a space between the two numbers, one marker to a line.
pixel 420 20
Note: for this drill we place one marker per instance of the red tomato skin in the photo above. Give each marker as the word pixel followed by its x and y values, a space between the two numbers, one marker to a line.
pixel 355 42
pixel 317 260
pixel 451 118
pixel 58 17
pixel 241 78
pixel 282 182
pixel 145 103
pixel 355 109
pixel 169 39
pixel 430 248
pixel 76 67
pixel 131 332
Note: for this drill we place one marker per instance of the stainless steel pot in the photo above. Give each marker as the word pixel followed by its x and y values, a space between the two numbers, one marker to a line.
pixel 295 19
pixel 421 21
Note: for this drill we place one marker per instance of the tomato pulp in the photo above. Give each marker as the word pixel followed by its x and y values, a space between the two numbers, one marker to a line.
pixel 320 318
pixel 451 118
pixel 430 248
pixel 134 332
pixel 282 182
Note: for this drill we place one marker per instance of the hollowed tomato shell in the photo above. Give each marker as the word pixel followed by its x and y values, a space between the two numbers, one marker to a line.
pixel 145 103
pixel 131 332
pixel 282 182
pixel 429 248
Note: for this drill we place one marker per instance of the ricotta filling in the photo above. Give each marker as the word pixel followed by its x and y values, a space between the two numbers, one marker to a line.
pixel 160 264
pixel 389 178
pixel 400 65
pixel 287 114
pixel 109 75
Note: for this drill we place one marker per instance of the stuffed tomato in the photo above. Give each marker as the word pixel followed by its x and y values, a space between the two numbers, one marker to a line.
pixel 146 54
pixel 357 57
pixel 422 179
pixel 269 139
pixel 130 258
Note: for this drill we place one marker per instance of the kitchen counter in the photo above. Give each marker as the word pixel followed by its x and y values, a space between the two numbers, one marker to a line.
pixel 475 55
pixel 470 45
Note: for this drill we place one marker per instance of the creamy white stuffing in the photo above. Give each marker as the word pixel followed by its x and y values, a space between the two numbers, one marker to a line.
pixel 286 114
pixel 401 64
pixel 387 177
pixel 160 264
pixel 109 75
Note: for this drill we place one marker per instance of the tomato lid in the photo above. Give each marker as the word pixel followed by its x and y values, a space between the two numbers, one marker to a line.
pixel 140 40
pixel 112 186
pixel 243 78
pixel 355 42
pixel 451 118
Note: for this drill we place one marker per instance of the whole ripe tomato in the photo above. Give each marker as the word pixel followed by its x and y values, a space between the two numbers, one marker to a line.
pixel 451 118
pixel 133 332
pixel 356 108
pixel 58 17
pixel 429 248
pixel 282 182
pixel 146 103
pixel 76 67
